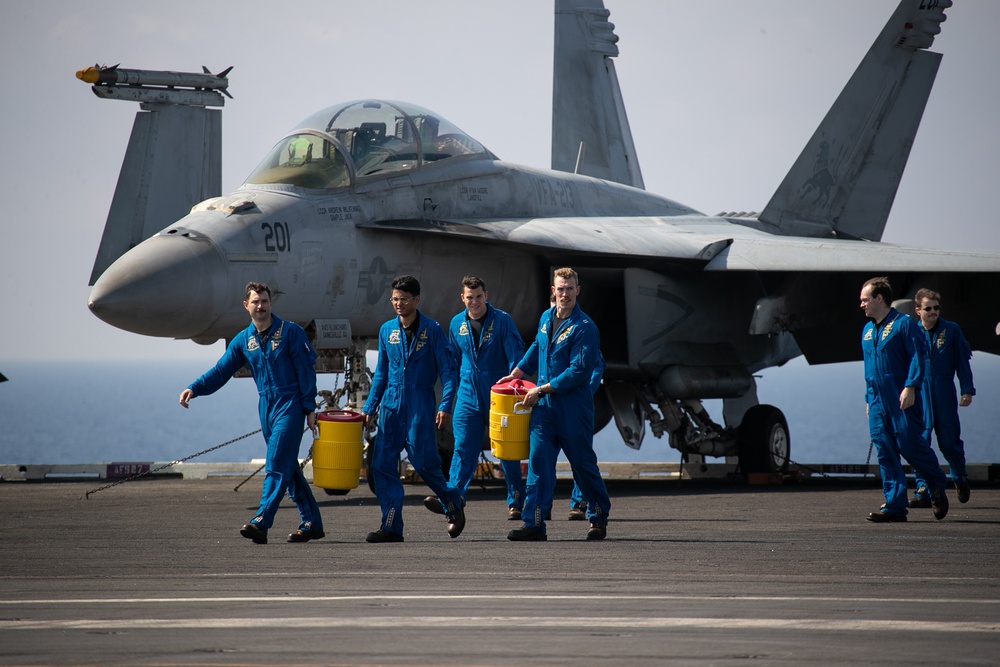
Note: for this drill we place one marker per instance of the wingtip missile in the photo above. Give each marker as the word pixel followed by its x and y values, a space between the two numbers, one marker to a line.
pixel 115 76
pixel 156 86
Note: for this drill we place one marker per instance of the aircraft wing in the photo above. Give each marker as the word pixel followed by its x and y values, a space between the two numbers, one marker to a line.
pixel 807 286
pixel 625 238
pixel 797 254
pixel 715 242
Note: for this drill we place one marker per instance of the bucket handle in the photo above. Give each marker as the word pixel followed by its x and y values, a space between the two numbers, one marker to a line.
pixel 517 385
pixel 526 411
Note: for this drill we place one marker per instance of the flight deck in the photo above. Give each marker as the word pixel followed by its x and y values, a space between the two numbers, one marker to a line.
pixel 693 572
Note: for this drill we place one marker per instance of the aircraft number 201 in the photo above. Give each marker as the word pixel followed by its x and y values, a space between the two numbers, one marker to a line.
pixel 277 238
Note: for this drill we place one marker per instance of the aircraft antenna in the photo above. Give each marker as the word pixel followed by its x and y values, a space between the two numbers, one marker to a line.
pixel 579 158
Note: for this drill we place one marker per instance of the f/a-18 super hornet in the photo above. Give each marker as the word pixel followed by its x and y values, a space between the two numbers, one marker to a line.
pixel 689 305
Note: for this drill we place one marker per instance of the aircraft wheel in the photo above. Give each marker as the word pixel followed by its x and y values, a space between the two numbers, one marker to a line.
pixel 603 414
pixel 764 443
pixel 337 492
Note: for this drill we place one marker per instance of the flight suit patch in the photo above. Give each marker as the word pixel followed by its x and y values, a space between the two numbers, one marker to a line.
pixel 887 330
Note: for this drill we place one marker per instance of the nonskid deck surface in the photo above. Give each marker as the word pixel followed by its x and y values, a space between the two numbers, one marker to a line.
pixel 692 572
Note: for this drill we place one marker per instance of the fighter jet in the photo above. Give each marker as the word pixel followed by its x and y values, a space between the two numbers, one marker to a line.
pixel 689 305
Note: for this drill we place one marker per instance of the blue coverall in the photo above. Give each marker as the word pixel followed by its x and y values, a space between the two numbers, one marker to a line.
pixel 403 392
pixel 949 355
pixel 563 420
pixel 895 354
pixel 576 498
pixel 281 361
pixel 500 347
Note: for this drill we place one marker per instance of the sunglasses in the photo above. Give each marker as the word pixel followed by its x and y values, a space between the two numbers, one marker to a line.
pixel 930 308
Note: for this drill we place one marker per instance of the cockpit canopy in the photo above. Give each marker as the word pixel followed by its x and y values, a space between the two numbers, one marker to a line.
pixel 361 140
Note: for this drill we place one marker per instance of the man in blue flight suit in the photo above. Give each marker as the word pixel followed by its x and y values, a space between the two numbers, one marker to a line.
pixel 949 355
pixel 565 353
pixel 486 345
pixel 577 503
pixel 281 361
pixel 895 354
pixel 412 353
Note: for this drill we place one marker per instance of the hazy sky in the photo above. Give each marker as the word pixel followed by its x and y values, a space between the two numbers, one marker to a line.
pixel 721 96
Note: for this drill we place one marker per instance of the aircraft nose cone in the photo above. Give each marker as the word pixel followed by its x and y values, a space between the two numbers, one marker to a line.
pixel 166 286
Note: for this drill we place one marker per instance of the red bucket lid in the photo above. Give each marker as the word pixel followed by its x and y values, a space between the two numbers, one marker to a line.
pixel 340 416
pixel 513 388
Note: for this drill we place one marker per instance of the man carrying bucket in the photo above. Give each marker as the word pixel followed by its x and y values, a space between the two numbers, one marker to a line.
pixel 486 345
pixel 281 362
pixel 412 353
pixel 565 353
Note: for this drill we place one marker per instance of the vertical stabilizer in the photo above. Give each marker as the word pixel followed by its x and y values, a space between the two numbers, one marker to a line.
pixel 587 106
pixel 173 161
pixel 846 177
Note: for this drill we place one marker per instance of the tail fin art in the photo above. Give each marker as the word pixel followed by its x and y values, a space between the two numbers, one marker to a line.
pixel 590 131
pixel 845 179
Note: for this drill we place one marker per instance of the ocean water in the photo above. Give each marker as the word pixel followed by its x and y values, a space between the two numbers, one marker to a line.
pixel 89 412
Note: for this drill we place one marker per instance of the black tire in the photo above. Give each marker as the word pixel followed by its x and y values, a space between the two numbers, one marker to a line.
pixel 337 492
pixel 764 441
pixel 603 413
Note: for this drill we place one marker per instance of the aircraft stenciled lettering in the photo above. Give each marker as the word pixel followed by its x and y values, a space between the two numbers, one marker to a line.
pixel 553 194
pixel 376 280
pixel 333 334
pixel 277 237
pixel 473 193
pixel 340 212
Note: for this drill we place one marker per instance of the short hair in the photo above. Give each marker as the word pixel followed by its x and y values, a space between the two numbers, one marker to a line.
pixel 881 286
pixel 473 283
pixel 407 284
pixel 566 273
pixel 924 293
pixel 260 288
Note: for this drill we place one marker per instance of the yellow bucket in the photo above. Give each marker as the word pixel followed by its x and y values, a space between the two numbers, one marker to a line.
pixel 509 420
pixel 337 450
